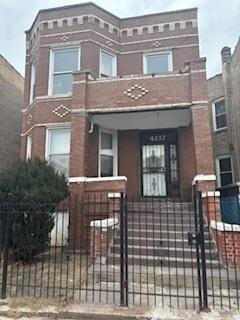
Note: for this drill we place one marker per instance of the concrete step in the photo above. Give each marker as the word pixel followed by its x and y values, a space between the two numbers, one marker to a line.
pixel 185 227
pixel 160 234
pixel 170 262
pixel 152 240
pixel 185 252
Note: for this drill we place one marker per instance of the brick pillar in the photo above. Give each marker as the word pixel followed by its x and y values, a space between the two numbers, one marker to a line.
pixel 211 205
pixel 227 239
pixel 203 143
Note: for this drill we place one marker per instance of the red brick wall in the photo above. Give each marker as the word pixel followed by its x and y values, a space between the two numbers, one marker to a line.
pixel 187 166
pixel 130 160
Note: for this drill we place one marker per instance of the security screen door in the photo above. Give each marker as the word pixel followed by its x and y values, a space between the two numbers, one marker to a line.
pixel 154 170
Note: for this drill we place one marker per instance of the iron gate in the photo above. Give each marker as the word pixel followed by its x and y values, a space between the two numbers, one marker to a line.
pixel 156 252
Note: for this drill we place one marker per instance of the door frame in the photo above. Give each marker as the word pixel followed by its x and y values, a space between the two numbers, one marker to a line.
pixel 171 137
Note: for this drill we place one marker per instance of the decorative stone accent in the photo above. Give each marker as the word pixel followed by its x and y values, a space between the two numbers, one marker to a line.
pixel 109 43
pixel 64 38
pixel 157 44
pixel 61 111
pixel 136 92
pixel 29 119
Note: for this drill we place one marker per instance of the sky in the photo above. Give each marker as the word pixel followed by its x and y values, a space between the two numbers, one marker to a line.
pixel 219 23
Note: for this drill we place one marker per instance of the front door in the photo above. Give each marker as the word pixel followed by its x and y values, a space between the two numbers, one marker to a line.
pixel 154 170
pixel 159 154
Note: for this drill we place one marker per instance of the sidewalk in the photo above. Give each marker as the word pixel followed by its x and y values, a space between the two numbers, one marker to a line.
pixel 40 309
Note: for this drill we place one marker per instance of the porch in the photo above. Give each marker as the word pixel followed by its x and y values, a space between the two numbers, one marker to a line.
pixel 153 148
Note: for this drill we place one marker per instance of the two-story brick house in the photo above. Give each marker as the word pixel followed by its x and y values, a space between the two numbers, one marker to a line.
pixel 11 102
pixel 108 98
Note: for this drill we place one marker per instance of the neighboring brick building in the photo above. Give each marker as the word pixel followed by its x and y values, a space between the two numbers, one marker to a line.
pixel 224 97
pixel 136 105
pixel 11 102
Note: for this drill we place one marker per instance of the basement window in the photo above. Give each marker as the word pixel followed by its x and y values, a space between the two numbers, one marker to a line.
pixel 160 62
pixel 63 63
pixel 108 64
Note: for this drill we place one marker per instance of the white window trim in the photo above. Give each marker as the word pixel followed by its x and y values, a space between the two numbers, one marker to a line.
pixel 114 63
pixel 48 138
pixel 218 168
pixel 215 129
pixel 113 153
pixel 32 82
pixel 51 65
pixel 29 147
pixel 170 62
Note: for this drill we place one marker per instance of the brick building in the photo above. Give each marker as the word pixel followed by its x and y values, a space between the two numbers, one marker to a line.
pixel 224 97
pixel 11 102
pixel 108 98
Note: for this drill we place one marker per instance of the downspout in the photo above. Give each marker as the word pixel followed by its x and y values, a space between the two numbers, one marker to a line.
pixel 91 128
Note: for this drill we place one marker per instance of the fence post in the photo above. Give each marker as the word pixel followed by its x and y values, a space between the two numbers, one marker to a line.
pixel 123 253
pixel 203 256
pixel 6 246
pixel 196 218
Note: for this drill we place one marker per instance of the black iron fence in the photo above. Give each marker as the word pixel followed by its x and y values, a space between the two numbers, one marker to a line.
pixel 140 251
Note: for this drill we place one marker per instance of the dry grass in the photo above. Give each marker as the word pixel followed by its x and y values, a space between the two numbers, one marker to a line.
pixel 55 274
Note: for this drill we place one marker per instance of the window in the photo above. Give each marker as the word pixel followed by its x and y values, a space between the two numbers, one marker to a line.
pixel 157 62
pixel 32 83
pixel 63 63
pixel 219 115
pixel 29 148
pixel 107 153
pixel 224 170
pixel 58 149
pixel 108 64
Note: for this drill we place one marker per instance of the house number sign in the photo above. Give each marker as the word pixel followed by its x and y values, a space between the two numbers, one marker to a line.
pixel 157 138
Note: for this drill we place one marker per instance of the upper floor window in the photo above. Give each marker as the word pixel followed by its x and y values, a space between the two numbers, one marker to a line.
pixel 157 62
pixel 58 149
pixel 108 64
pixel 32 83
pixel 63 63
pixel 224 170
pixel 219 115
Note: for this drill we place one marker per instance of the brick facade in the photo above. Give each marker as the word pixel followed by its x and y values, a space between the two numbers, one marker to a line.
pixel 11 101
pixel 226 86
pixel 183 89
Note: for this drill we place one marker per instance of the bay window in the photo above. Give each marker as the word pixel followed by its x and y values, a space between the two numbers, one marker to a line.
pixel 62 64
pixel 58 149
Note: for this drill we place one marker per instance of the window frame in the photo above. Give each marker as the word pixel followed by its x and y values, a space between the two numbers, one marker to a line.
pixel 32 83
pixel 155 53
pixel 215 129
pixel 51 67
pixel 113 153
pixel 218 172
pixel 48 140
pixel 114 63
pixel 29 147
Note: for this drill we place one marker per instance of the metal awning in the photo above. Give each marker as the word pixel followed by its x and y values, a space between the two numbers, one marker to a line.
pixel 150 119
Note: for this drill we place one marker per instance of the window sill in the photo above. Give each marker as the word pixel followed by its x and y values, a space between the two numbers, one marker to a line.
pixel 54 96
pixel 220 129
